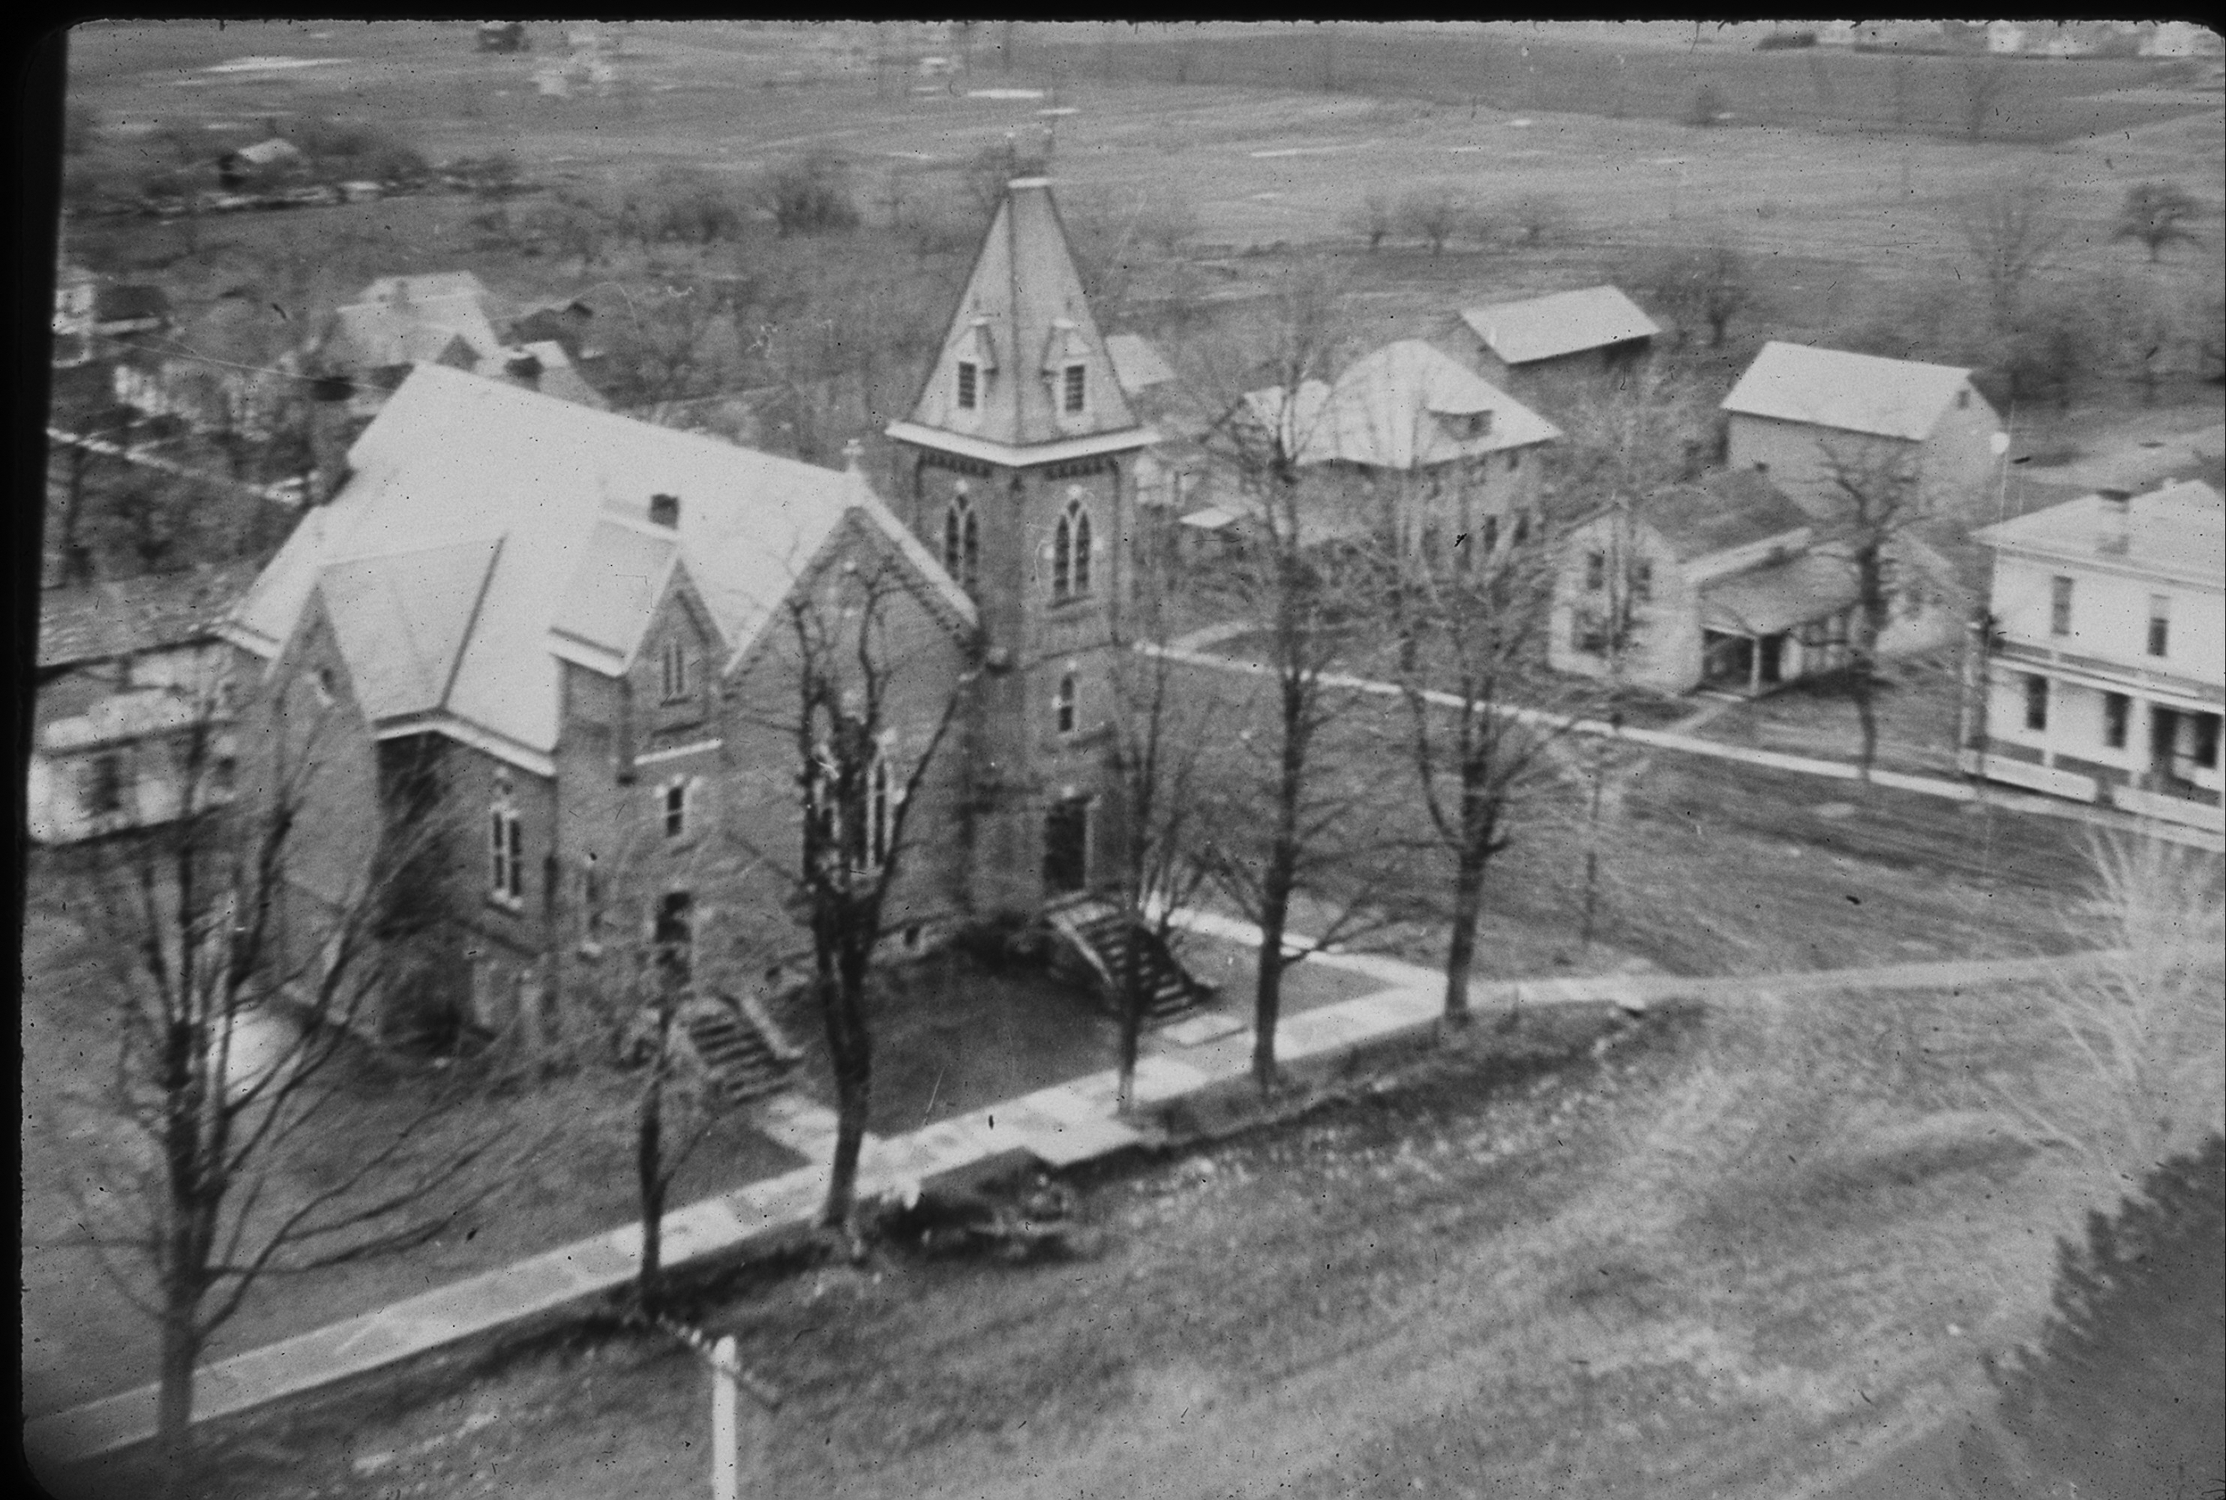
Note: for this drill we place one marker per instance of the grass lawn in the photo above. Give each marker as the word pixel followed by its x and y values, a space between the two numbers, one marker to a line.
pixel 1917 703
pixel 1738 1253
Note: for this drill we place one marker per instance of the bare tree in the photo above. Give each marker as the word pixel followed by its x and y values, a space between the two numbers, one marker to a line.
pixel 2012 228
pixel 1540 220
pixel 1711 284
pixel 1372 219
pixel 862 756
pixel 2157 214
pixel 246 967
pixel 1433 215
pixel 1472 621
pixel 1877 499
pixel 1287 825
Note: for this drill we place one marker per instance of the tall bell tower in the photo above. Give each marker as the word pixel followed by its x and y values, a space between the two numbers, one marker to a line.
pixel 1019 474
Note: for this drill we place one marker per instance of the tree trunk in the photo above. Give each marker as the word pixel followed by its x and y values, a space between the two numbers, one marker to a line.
pixel 1268 994
pixel 181 1350
pixel 650 1174
pixel 1132 1014
pixel 1460 948
pixel 849 1050
pixel 1866 714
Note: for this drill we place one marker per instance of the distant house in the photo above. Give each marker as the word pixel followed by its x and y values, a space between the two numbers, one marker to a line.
pixel 127 671
pixel 1723 583
pixel 2103 677
pixel 1415 447
pixel 1801 414
pixel 1554 345
pixel 569 323
pixel 262 161
pixel 543 367
pixel 440 318
pixel 91 315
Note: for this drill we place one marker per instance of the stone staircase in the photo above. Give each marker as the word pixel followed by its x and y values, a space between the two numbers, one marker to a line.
pixel 1091 947
pixel 742 1050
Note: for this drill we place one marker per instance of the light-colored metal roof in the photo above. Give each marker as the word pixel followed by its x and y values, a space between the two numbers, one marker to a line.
pixel 1136 364
pixel 1402 407
pixel 1766 600
pixel 402 620
pixel 2178 531
pixel 1900 398
pixel 1563 323
pixel 456 462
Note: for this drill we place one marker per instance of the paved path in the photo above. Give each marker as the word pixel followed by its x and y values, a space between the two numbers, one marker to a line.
pixel 1059 1126
pixel 1836 770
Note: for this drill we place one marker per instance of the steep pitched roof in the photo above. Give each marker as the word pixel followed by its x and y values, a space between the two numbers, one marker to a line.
pixel 1563 323
pixel 402 620
pixel 1720 511
pixel 119 616
pixel 1401 407
pixel 457 463
pixel 1136 364
pixel 1021 320
pixel 2178 531
pixel 1867 393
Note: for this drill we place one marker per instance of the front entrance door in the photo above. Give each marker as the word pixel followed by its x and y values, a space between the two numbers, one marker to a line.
pixel 1772 649
pixel 1726 660
pixel 1066 846
pixel 675 937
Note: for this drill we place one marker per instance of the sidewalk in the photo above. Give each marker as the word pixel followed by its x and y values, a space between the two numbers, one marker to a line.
pixel 1684 744
pixel 1059 1126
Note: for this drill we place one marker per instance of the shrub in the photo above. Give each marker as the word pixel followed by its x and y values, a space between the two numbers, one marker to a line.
pixel 810 196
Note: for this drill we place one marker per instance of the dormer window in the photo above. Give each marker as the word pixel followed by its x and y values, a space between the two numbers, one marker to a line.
pixel 1074 389
pixel 969 385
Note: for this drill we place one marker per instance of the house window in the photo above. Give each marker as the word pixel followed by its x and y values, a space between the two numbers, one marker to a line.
pixel 1074 388
pixel 868 847
pixel 673 802
pixel 2059 606
pixel 2202 745
pixel 2036 702
pixel 1592 633
pixel 2160 623
pixel 506 854
pixel 673 670
pixel 1514 460
pixel 1642 580
pixel 881 802
pixel 969 384
pixel 1522 527
pixel 962 541
pixel 1063 704
pixel 1962 400
pixel 1491 535
pixel 1595 572
pixel 1070 553
pixel 104 785
pixel 2116 709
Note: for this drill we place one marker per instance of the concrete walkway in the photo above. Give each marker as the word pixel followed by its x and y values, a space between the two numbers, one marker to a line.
pixel 1684 744
pixel 1058 1126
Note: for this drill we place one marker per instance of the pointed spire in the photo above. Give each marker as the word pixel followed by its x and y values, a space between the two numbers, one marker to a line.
pixel 1023 362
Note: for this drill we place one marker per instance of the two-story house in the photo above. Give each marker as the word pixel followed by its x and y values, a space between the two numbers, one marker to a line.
pixel 1811 419
pixel 1409 445
pixel 1723 583
pixel 2103 673
pixel 1556 348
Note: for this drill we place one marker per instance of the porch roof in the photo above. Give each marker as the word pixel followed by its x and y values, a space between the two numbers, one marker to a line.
pixel 1767 600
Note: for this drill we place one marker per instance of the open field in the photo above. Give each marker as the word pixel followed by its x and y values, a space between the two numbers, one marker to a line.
pixel 1735 1255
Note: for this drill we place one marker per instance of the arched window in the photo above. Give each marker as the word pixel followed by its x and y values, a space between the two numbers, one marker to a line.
pixel 1063 706
pixel 506 849
pixel 962 541
pixel 1070 552
pixel 673 669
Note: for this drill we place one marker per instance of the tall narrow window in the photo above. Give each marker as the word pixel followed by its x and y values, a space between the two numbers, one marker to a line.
pixel 1491 534
pixel 962 541
pixel 880 812
pixel 1595 572
pixel 1075 388
pixel 673 662
pixel 969 384
pixel 2059 606
pixel 591 906
pixel 1070 553
pixel 1642 581
pixel 506 854
pixel 1063 706
pixel 2116 709
pixel 674 798
pixel 2160 623
pixel 104 785
pixel 2036 702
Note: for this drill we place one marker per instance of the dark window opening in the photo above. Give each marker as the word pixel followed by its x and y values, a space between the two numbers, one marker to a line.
pixel 2116 710
pixel 2036 702
pixel 1075 388
pixel 2160 624
pixel 969 384
pixel 2059 606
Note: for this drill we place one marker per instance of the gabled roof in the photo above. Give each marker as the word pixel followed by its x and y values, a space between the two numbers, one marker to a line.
pixel 1778 596
pixel 116 617
pixel 380 335
pixel 1719 512
pixel 1900 398
pixel 2178 531
pixel 455 463
pixel 1563 323
pixel 1399 408
pixel 1022 318
pixel 625 572
pixel 544 367
pixel 1136 364
pixel 402 620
